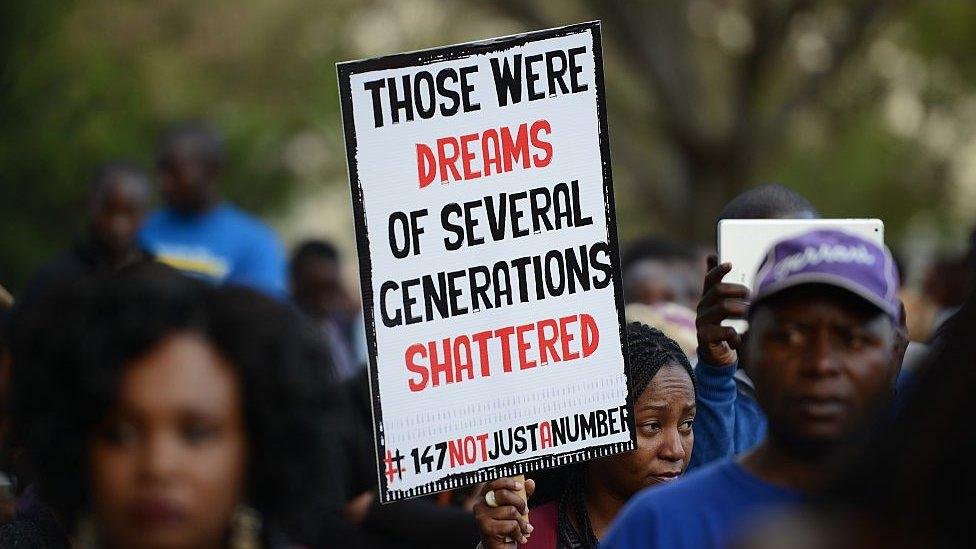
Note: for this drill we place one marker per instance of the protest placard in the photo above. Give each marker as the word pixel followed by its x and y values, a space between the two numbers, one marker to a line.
pixel 484 215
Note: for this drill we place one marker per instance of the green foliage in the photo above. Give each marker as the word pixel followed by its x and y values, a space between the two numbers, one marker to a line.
pixel 90 81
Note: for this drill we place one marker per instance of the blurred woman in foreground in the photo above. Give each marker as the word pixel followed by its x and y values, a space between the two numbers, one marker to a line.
pixel 662 385
pixel 161 412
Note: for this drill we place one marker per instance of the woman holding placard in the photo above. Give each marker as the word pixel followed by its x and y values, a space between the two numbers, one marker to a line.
pixel 662 386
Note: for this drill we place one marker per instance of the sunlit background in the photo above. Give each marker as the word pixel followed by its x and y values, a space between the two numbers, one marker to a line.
pixel 866 107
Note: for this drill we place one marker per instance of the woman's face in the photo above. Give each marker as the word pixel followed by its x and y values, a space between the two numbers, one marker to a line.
pixel 663 415
pixel 168 463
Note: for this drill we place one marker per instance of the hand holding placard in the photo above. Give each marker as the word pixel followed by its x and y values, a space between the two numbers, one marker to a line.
pixel 508 521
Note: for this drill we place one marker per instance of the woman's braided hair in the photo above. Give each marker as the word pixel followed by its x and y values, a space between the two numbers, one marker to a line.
pixel 648 350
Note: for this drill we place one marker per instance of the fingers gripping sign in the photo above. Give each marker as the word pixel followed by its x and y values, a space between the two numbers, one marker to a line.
pixel 717 344
pixel 505 524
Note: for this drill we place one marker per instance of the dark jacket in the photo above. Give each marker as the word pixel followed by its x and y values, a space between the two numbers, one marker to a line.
pixel 419 522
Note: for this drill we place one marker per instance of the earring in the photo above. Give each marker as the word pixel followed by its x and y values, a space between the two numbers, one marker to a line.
pixel 245 530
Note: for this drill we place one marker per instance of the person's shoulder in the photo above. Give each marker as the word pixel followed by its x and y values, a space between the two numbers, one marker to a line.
pixel 232 212
pixel 64 268
pixel 70 261
pixel 683 513
pixel 246 221
pixel 691 489
pixel 155 218
pixel 644 521
pixel 718 471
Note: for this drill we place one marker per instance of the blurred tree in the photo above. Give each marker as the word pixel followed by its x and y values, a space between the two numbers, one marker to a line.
pixel 866 106
pixel 23 174
pixel 718 84
pixel 91 81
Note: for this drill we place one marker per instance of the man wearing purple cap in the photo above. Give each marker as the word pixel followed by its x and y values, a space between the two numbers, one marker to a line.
pixel 729 421
pixel 823 352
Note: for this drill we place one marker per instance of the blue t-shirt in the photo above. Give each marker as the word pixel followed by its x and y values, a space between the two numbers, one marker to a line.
pixel 223 245
pixel 709 508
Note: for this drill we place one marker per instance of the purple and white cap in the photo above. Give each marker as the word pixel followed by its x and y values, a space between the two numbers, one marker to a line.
pixel 835 258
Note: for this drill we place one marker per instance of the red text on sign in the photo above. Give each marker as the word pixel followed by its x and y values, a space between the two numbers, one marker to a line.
pixel 525 346
pixel 493 151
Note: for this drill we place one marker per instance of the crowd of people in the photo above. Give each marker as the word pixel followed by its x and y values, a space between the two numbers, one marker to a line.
pixel 173 381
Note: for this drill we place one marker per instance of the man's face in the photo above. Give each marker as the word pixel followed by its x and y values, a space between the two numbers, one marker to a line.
pixel 651 282
pixel 117 213
pixel 822 361
pixel 317 287
pixel 186 182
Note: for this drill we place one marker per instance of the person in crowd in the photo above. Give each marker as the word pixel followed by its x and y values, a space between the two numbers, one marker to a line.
pixel 7 496
pixel 117 203
pixel 161 411
pixel 905 488
pixel 318 290
pixel 23 523
pixel 722 431
pixel 423 522
pixel 662 386
pixel 946 286
pixel 903 485
pixel 822 349
pixel 675 326
pixel 769 201
pixel 198 232
pixel 658 285
pixel 5 309
pixel 657 271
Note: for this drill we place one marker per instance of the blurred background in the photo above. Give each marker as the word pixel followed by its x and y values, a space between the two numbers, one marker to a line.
pixel 866 107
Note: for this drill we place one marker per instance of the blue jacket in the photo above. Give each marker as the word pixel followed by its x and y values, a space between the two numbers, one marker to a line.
pixel 729 420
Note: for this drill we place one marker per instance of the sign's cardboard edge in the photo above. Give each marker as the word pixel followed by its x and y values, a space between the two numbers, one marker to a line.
pixel 344 72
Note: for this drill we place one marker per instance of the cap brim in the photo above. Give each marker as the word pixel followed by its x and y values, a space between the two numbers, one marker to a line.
pixel 829 280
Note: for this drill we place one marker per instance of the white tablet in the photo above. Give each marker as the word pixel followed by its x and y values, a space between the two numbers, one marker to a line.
pixel 744 243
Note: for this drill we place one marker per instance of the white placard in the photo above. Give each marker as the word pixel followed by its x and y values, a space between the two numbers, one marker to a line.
pixel 481 185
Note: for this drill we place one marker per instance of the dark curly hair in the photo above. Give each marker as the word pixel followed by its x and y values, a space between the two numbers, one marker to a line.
pixel 75 344
pixel 769 201
pixel 648 350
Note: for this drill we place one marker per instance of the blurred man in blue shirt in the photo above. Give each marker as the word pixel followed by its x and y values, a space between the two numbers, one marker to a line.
pixel 199 233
